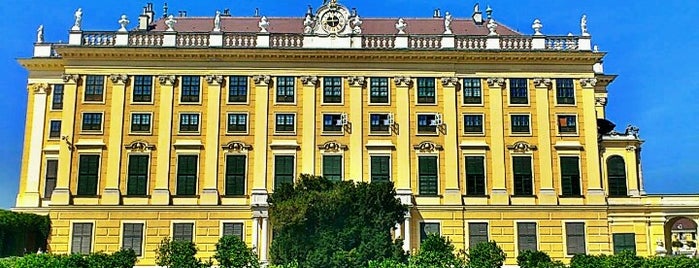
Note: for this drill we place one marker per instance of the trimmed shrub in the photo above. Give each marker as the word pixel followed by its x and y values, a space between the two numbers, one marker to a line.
pixel 231 252
pixel 533 259
pixel 22 233
pixel 178 254
pixel 119 259
pixel 486 255
pixel 436 251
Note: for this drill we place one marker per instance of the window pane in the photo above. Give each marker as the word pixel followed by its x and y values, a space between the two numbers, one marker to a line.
pixel 187 174
pixel 378 90
pixel 283 170
pixel 565 91
pixel 426 90
pixel 575 238
pixel 94 88
pixel 427 175
pixel 238 89
pixel 137 176
pixel 473 123
pixel 285 89
pixel 190 89
pixel 143 88
pixel 183 231
pixel 616 174
pixel 132 237
pixel 519 91
pixel 235 174
pixel 81 238
pixel 477 233
pixel 380 168
pixel 624 242
pixel 526 237
pixel 475 175
pixel 472 91
pixel 235 229
pixel 522 171
pixel 88 172
pixel 332 167
pixel 570 176
pixel 332 90
pixel 428 228
pixel 57 99
pixel 51 176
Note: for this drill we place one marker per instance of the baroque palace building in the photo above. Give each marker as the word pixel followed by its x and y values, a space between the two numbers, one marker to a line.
pixel 182 126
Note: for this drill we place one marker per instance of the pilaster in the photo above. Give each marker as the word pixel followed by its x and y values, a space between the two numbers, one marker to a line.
pixel 547 194
pixel 356 149
pixel 631 167
pixel 308 131
pixel 499 194
pixel 161 193
pixel 403 150
pixel 595 193
pixel 262 83
pixel 61 195
pixel 111 194
pixel 29 196
pixel 210 195
pixel 452 194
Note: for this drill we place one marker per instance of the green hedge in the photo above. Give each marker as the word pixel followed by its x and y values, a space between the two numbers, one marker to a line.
pixel 22 233
pixel 119 259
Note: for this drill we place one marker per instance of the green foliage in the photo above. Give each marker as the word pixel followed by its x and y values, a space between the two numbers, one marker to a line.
pixel 629 259
pixel 231 252
pixel 387 263
pixel 486 255
pixel 320 223
pixel 119 259
pixel 178 254
pixel 21 233
pixel 533 259
pixel 436 251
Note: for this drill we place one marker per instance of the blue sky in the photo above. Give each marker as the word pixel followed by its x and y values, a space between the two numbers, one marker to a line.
pixel 652 45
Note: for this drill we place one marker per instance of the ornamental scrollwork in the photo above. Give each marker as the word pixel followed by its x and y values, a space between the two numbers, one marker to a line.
pixel 496 82
pixel 214 79
pixel 427 147
pixel 119 78
pixel 167 80
pixel 237 147
pixel 139 146
pixel 542 82
pixel 332 147
pixel 449 81
pixel 262 79
pixel 403 80
pixel 522 147
pixel 357 80
pixel 311 80
pixel 601 101
pixel 588 82
pixel 39 88
pixel 70 78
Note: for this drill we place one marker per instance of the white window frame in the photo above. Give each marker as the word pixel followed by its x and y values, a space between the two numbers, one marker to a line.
pixel 152 91
pixel 92 239
pixel 575 92
pixel 247 170
pixel 390 164
pixel 177 164
pixel 150 164
pixel 90 132
pixel 509 92
pixel 296 122
pixel 369 93
pixel 180 85
pixel 194 229
pixel 247 98
pixel 150 130
pixel 468 231
pixel 179 124
pixel 417 170
pixel 516 236
pixel 565 236
pixel 296 90
pixel 221 224
pixel 473 134
pixel 247 123
pixel 518 134
pixel 84 90
pixel 558 127
pixel 143 235
pixel 342 91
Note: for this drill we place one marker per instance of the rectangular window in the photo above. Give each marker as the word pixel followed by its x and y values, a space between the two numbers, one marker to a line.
pixel 332 167
pixel 132 237
pixel 189 123
pixel 140 123
pixel 379 124
pixel 520 124
pixel 88 173
pixel 570 176
pixel 285 89
pixel 426 124
pixel 142 88
pixel 81 238
pixel 427 175
pixel 235 175
pixel 526 236
pixel 519 91
pixel 380 168
pixel 237 123
pixel 567 124
pixel 624 242
pixel 426 90
pixel 575 238
pixel 238 89
pixel 51 177
pixel 183 231
pixel 332 123
pixel 234 229
pixel 472 91
pixel 285 123
pixel 427 228
pixel 283 170
pixel 94 88
pixel 332 90
pixel 92 122
pixel 565 91
pixel 477 233
pixel 522 170
pixel 57 98
pixel 378 90
pixel 190 89
pixel 137 177
pixel 473 123
pixel 475 175
pixel 187 174
pixel 55 129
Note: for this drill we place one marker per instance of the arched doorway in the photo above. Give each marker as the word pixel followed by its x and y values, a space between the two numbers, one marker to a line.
pixel 681 236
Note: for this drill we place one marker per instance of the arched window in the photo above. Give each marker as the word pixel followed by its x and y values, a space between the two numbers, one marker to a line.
pixel 616 175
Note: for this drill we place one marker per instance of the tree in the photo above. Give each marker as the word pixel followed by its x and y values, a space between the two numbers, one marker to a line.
pixel 437 251
pixel 319 223
pixel 232 252
pixel 486 255
pixel 177 254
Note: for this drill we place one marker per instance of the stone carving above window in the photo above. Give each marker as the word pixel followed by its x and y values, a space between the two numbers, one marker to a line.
pixel 522 147
pixel 39 88
pixel 496 82
pixel 588 82
pixel 236 147
pixel 139 146
pixel 119 78
pixel 70 78
pixel 542 82
pixel 428 147
pixel 262 79
pixel 332 147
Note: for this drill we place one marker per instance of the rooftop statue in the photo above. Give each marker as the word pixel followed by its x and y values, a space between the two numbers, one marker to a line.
pixel 308 24
pixel 78 19
pixel 447 23
pixel 123 21
pixel 583 26
pixel 170 22
pixel 264 24
pixel 217 21
pixel 356 25
pixel 40 34
pixel 401 25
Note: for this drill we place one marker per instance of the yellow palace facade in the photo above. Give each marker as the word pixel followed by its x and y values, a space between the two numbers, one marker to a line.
pixel 182 126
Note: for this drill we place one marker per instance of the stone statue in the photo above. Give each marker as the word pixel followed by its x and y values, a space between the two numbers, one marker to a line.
pixel 632 130
pixel 401 25
pixel 170 22
pixel 310 10
pixel 660 249
pixel 40 34
pixel 356 25
pixel 583 26
pixel 308 24
pixel 492 27
pixel 124 21
pixel 217 21
pixel 264 24
pixel 78 19
pixel 447 23
pixel 537 27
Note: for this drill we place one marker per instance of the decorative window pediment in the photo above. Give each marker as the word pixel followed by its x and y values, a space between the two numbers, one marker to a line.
pixel 332 146
pixel 139 146
pixel 428 147
pixel 236 146
pixel 521 147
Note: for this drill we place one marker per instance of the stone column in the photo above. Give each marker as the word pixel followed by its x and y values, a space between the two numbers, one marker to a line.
pixel 543 124
pixel 406 238
pixel 309 120
pixel 356 148
pixel 161 193
pixel 265 240
pixel 259 183
pixel 499 194
pixel 403 150
pixel 452 194
pixel 61 195
pixel 213 119
pixel 595 193
pixel 111 194
pixel 255 235
pixel 30 197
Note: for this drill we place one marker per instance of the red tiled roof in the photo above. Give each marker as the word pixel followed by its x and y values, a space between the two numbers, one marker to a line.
pixel 427 26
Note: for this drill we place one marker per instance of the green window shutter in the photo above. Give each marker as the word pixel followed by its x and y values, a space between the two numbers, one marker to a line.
pixel 522 171
pixel 570 176
pixel 475 175
pixel 332 167
pixel 235 174
pixel 624 242
pixel 616 176
pixel 137 176
pixel 88 173
pixel 187 174
pixel 427 168
pixel 380 168
pixel 283 170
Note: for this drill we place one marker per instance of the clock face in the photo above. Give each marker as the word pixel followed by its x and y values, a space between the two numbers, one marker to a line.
pixel 333 21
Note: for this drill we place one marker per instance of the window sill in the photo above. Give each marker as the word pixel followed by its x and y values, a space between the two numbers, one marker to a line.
pixel 140 133
pixel 332 133
pixel 237 133
pixel 188 134
pixel 619 196
pixel 54 139
pixel 425 104
pixel 379 104
pixel 571 196
pixel 185 196
pixel 284 134
pixel 428 134
pixel 521 134
pixel 474 134
pixel 519 105
pixel 141 103
pixel 571 105
pixel 189 103
pixel 476 195
pixel 379 134
pixel 91 132
pixel 235 196
pixel 87 196
pixel 429 195
pixel 472 104
pixel 136 196
pixel 93 102
pixel 520 195
pixel 568 134
pixel 332 104
pixel 237 103
pixel 285 103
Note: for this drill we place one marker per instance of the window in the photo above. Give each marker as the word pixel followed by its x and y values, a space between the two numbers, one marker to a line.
pixel 522 170
pixel 624 242
pixel 55 129
pixel 88 173
pixel 94 88
pixel 81 238
pixel 520 124
pixel 57 99
pixel 283 170
pixel 332 90
pixel 233 228
pixel 475 175
pixel 575 238
pixel 235 175
pixel 472 91
pixel 426 124
pixel 285 123
pixel 132 237
pixel 142 88
pixel 427 175
pixel 237 123
pixel 616 174
pixel 332 167
pixel 570 176
pixel 473 124
pixel 519 91
pixel 140 123
pixel 565 91
pixel 427 228
pixel 285 89
pixel 567 124
pixel 51 176
pixel 137 177
pixel 379 124
pixel 183 231
pixel 92 122
pixel 190 89
pixel 526 236
pixel 332 123
pixel 238 89
pixel 378 90
pixel 380 168
pixel 189 123
pixel 426 90
pixel 187 174
pixel 477 233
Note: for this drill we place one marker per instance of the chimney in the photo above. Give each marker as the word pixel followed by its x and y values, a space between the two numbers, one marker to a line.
pixel 150 13
pixel 257 12
pixel 165 8
pixel 143 20
pixel 226 12
pixel 437 13
pixel 183 13
pixel 477 15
